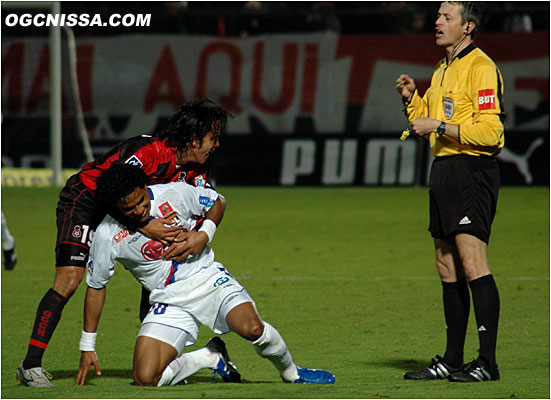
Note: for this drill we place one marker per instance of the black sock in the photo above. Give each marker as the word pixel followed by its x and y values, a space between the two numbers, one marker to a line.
pixel 48 315
pixel 144 303
pixel 486 308
pixel 457 305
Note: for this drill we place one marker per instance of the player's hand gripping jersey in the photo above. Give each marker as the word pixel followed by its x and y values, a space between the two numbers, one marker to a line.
pixel 468 93
pixel 113 242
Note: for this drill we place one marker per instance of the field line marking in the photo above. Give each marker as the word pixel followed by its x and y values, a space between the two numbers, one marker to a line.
pixel 380 278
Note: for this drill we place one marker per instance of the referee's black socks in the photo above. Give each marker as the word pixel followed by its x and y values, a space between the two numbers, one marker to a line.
pixel 486 308
pixel 457 305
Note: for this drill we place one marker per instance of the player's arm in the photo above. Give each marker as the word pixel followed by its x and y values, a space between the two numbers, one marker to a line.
pixel 486 128
pixel 101 267
pixel 93 305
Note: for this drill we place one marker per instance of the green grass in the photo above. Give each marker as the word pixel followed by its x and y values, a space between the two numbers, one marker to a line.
pixel 345 274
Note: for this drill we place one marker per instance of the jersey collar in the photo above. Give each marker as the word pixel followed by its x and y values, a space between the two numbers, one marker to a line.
pixel 465 51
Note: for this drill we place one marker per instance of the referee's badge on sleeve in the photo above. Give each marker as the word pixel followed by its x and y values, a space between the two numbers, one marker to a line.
pixel 447 103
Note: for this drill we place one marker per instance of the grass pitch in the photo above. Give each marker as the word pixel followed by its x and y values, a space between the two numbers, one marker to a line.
pixel 345 274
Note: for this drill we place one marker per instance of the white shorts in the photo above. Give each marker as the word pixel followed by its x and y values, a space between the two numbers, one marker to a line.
pixel 205 300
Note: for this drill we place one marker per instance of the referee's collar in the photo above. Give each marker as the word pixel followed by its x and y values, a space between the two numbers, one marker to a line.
pixel 465 51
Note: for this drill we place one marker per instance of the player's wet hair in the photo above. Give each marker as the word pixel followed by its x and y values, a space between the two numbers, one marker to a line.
pixel 472 12
pixel 117 182
pixel 193 121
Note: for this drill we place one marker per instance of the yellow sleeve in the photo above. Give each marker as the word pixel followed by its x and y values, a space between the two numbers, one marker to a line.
pixel 486 128
pixel 417 107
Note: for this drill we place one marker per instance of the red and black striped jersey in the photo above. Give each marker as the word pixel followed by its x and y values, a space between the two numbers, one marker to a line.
pixel 152 155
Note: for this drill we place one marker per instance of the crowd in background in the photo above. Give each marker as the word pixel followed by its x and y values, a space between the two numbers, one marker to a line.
pixel 249 18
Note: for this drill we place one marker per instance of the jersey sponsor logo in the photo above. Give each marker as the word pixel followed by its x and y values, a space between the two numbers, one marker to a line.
pixel 165 209
pixel 168 212
pixel 152 250
pixel 121 235
pixel 487 99
pixel 199 181
pixel 448 105
pixel 205 201
pixel 134 161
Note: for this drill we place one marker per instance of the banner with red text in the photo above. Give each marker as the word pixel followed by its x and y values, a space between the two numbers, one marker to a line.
pixel 280 86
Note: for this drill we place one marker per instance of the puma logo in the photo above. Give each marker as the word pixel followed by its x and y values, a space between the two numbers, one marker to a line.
pixel 521 160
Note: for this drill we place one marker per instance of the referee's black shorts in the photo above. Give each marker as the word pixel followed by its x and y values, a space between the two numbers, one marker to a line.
pixel 77 216
pixel 463 196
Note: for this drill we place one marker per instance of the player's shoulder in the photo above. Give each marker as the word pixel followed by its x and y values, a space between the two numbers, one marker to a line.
pixel 481 59
pixel 145 143
pixel 107 229
pixel 140 150
pixel 170 189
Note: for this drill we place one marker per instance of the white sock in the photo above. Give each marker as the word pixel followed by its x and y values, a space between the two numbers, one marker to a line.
pixel 187 364
pixel 272 346
pixel 8 242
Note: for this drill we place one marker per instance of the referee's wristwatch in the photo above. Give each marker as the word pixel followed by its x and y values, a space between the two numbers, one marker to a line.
pixel 441 129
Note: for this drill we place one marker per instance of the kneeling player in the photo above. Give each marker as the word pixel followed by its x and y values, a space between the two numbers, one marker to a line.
pixel 184 296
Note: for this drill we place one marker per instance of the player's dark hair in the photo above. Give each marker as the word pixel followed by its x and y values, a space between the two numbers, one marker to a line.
pixel 472 12
pixel 193 120
pixel 117 182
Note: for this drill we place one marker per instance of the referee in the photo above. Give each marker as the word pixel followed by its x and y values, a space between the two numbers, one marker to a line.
pixel 461 116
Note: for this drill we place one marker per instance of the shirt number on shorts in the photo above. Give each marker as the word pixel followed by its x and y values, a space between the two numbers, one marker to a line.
pixel 84 233
pixel 159 308
pixel 221 281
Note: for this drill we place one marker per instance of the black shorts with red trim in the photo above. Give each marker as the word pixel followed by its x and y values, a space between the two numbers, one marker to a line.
pixel 77 216
pixel 463 196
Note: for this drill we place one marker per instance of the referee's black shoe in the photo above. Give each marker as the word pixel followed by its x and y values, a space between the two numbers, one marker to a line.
pixel 438 369
pixel 475 372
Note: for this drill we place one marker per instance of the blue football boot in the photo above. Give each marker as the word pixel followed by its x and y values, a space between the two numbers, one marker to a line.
pixel 225 368
pixel 317 376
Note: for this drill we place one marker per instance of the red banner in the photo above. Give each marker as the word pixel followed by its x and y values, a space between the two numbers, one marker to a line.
pixel 273 79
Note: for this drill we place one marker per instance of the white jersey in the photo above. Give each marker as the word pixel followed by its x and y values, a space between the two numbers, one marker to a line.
pixel 113 242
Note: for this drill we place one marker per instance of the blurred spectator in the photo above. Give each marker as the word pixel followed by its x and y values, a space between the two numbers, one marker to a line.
pixel 250 24
pixel 173 18
pixel 419 23
pixel 516 20
pixel 322 17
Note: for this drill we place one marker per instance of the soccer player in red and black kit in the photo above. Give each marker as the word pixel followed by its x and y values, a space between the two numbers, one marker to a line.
pixel 176 154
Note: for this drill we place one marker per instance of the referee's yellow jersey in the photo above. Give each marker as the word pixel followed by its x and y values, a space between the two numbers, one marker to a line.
pixel 468 93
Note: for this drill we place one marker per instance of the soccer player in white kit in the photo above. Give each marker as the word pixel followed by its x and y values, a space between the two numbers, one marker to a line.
pixel 184 296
